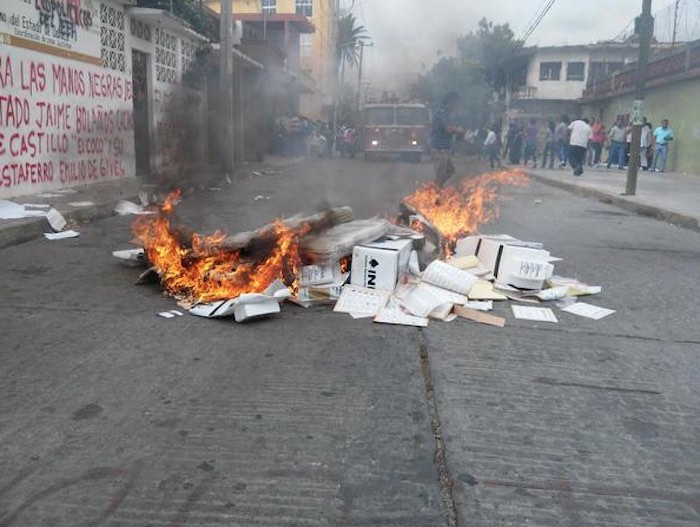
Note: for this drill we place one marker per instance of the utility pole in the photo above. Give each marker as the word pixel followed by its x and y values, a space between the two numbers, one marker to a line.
pixel 226 84
pixel 362 45
pixel 645 25
pixel 675 23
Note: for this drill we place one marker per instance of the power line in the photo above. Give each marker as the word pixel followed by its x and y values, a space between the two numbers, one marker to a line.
pixel 538 19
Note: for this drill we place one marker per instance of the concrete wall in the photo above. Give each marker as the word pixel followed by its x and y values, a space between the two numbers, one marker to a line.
pixel 563 89
pixel 66 94
pixel 64 119
pixel 677 102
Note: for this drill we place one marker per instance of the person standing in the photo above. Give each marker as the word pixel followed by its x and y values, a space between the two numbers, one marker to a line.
pixel 617 136
pixel 550 145
pixel 441 141
pixel 562 132
pixel 663 135
pixel 492 146
pixel 597 141
pixel 515 143
pixel 579 134
pixel 645 144
pixel 531 143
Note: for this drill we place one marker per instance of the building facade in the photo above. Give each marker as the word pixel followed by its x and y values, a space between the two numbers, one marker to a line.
pixel 86 93
pixel 673 89
pixel 551 80
pixel 304 30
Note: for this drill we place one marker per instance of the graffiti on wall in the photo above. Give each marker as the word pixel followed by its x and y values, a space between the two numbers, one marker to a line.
pixel 61 123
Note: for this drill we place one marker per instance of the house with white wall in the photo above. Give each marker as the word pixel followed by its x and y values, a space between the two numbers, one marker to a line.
pixel 85 92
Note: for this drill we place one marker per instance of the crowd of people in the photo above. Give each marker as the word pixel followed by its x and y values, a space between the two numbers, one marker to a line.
pixel 297 135
pixel 575 142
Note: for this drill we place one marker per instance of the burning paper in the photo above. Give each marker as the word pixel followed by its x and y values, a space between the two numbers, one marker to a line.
pixel 459 211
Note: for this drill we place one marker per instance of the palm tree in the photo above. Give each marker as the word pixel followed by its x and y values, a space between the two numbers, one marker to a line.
pixel 349 35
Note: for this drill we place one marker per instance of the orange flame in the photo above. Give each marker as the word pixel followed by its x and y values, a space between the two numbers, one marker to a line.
pixel 458 212
pixel 202 275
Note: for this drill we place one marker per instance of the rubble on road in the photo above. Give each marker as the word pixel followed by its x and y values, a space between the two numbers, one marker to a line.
pixel 430 267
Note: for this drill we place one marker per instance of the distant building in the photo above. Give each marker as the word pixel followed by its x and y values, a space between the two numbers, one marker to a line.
pixel 547 81
pixel 304 31
pixel 673 85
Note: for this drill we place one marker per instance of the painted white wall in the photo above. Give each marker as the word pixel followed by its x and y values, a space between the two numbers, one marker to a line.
pixel 66 120
pixel 569 89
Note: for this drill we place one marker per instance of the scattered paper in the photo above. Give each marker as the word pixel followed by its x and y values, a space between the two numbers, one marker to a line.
pixel 49 195
pixel 260 197
pixel 319 274
pixel 478 316
pixel 143 198
pixel 443 275
pixel 36 205
pixel 136 255
pixel 576 288
pixel 464 262
pixel 170 314
pixel 398 317
pixel 583 309
pixel 359 300
pixel 425 299
pixel 56 220
pixel 81 204
pixel 483 290
pixel 9 210
pixel 538 314
pixel 480 306
pixel 553 293
pixel 125 208
pixel 66 191
pixel 61 235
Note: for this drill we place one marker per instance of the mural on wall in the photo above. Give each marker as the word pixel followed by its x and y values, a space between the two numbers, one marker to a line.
pixel 63 122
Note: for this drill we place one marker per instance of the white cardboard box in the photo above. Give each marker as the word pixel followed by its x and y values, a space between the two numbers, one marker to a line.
pixel 509 260
pixel 379 265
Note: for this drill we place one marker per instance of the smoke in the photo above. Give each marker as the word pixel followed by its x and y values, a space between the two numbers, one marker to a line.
pixel 411 35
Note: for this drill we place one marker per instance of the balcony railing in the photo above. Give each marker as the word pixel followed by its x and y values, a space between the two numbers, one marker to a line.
pixel 666 67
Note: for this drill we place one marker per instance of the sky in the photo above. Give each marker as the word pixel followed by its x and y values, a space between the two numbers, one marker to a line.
pixel 410 35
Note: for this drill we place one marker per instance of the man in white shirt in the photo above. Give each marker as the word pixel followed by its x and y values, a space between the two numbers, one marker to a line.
pixel 492 147
pixel 580 133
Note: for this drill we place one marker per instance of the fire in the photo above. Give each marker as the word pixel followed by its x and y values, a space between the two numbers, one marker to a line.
pixel 459 211
pixel 202 275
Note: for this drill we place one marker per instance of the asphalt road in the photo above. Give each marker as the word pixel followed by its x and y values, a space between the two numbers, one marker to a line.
pixel 112 416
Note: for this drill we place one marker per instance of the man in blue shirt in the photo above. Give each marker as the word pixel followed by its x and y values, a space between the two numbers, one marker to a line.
pixel 662 136
pixel 441 141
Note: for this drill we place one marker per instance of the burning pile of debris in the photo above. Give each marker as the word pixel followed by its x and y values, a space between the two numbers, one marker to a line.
pixel 429 264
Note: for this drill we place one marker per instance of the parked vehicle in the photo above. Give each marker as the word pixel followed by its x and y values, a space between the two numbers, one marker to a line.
pixel 395 129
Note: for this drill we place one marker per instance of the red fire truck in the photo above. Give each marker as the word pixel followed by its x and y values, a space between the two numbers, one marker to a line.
pixel 395 129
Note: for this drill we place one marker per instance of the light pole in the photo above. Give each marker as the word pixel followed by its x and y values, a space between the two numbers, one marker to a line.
pixel 645 25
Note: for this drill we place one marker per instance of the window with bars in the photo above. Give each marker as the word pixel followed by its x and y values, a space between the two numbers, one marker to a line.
pixel 269 7
pixel 576 71
pixel 305 7
pixel 112 38
pixel 306 45
pixel 140 30
pixel 550 71
pixel 166 56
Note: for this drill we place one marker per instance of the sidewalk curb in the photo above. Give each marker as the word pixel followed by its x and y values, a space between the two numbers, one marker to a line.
pixel 29 229
pixel 679 220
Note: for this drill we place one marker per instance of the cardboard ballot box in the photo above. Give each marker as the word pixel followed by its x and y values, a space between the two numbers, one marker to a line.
pixel 379 265
pixel 511 261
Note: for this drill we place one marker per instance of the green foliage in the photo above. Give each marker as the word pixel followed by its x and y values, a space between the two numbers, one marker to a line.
pixel 492 47
pixel 349 36
pixel 478 70
pixel 190 11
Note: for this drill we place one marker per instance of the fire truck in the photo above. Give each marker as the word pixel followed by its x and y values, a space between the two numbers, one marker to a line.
pixel 395 129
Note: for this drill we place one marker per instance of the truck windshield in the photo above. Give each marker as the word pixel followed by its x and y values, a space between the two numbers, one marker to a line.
pixel 380 116
pixel 412 116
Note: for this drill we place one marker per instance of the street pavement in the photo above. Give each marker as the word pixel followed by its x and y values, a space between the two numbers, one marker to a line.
pixel 112 416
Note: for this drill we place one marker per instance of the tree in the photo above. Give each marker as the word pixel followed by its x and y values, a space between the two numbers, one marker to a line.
pixel 347 47
pixel 478 70
pixel 492 47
